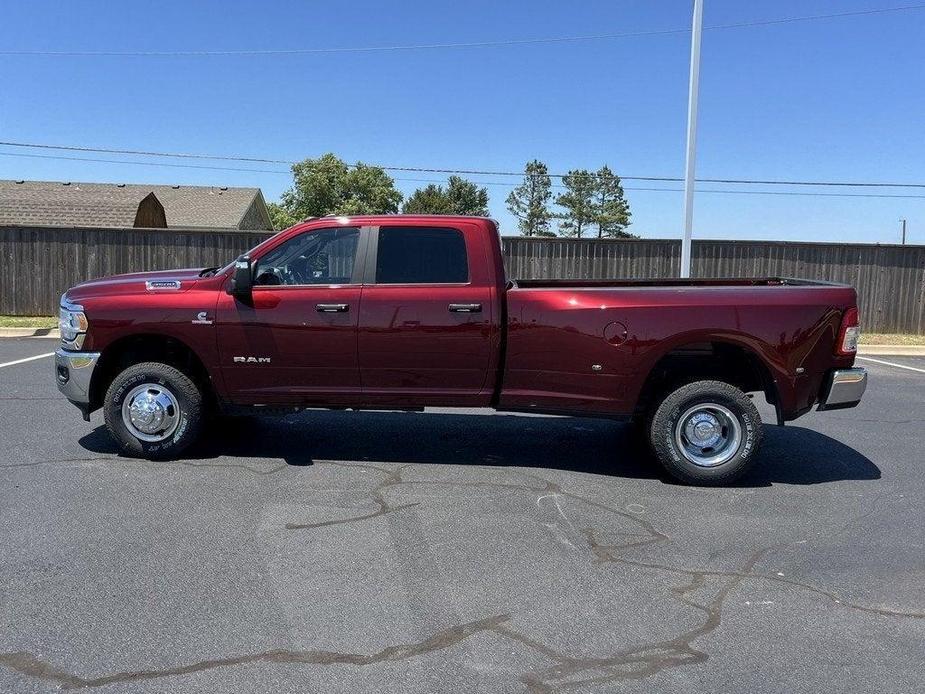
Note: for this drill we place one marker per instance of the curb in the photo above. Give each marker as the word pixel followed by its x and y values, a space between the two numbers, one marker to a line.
pixel 891 350
pixel 30 332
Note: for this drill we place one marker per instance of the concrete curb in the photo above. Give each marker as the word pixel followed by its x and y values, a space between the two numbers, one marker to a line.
pixel 891 350
pixel 31 332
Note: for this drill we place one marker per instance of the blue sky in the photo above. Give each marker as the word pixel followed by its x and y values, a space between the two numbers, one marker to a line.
pixel 836 99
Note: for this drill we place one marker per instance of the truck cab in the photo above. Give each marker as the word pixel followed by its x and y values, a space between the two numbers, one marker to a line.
pixel 342 310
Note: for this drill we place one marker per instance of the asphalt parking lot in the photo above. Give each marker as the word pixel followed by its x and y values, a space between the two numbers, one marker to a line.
pixel 458 552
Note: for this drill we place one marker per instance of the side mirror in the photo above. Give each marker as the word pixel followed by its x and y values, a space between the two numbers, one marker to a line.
pixel 243 280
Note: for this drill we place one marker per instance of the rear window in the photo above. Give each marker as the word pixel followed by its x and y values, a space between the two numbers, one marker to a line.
pixel 421 255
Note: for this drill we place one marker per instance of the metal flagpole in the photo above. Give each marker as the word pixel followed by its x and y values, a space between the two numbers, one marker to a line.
pixel 691 139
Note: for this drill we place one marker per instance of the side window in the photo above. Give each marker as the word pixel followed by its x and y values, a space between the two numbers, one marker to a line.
pixel 421 255
pixel 324 256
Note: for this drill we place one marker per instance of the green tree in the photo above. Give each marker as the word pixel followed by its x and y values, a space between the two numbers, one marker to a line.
pixel 459 197
pixel 466 197
pixel 431 199
pixel 578 201
pixel 279 217
pixel 327 185
pixel 611 209
pixel 529 201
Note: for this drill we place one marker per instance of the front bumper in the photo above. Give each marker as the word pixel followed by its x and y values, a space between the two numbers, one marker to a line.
pixel 843 388
pixel 73 373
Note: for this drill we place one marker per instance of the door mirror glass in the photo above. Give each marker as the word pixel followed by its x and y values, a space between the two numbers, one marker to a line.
pixel 243 280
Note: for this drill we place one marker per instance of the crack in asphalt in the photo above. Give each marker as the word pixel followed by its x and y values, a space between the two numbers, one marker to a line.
pixel 392 477
pixel 240 466
pixel 605 554
pixel 29 664
pixel 890 421
pixel 149 463
pixel 58 460
pixel 17 398
pixel 634 662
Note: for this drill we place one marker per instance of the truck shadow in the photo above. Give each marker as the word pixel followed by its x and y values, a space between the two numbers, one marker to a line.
pixel 790 455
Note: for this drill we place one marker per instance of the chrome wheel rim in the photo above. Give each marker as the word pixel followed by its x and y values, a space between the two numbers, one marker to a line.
pixel 708 434
pixel 151 412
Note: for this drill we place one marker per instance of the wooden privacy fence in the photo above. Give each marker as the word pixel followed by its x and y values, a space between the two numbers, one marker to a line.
pixel 39 263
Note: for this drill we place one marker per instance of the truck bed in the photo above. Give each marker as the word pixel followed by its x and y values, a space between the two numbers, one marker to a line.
pixel 589 345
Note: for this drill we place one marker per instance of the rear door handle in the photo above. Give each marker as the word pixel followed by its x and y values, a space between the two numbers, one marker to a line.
pixel 466 308
pixel 332 308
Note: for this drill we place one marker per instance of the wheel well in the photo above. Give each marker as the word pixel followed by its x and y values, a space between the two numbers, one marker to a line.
pixel 136 349
pixel 717 361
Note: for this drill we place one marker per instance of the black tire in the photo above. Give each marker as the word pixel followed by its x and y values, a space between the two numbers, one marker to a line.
pixel 188 420
pixel 735 454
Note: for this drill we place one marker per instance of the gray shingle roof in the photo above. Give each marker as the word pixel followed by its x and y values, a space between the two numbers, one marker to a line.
pixel 51 203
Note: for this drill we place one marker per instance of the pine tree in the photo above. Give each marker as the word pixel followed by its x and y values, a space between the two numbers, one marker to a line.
pixel 611 210
pixel 529 201
pixel 466 198
pixel 578 201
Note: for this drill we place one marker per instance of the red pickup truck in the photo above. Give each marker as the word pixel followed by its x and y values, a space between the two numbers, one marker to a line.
pixel 405 312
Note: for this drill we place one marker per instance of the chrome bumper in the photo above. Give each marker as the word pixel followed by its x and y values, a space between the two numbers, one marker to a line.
pixel 73 371
pixel 843 388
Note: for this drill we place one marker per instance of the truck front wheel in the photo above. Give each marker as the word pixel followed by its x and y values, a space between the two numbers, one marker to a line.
pixel 153 410
pixel 706 433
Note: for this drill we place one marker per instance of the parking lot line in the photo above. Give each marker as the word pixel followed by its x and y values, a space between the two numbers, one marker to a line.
pixel 890 363
pixel 23 361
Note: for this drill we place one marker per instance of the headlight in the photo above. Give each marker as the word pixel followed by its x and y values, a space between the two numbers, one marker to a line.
pixel 73 325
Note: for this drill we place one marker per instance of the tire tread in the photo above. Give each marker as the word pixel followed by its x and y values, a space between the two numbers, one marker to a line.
pixel 661 432
pixel 191 406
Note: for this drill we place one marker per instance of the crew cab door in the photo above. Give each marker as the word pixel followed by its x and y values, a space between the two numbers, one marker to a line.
pixel 426 317
pixel 294 340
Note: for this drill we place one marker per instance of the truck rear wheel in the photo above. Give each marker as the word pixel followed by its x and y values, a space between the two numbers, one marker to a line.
pixel 706 433
pixel 153 410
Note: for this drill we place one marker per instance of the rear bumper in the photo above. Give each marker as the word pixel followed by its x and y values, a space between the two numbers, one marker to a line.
pixel 843 388
pixel 73 373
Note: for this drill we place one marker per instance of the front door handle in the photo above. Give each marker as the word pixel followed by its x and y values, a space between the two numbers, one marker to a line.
pixel 466 308
pixel 332 308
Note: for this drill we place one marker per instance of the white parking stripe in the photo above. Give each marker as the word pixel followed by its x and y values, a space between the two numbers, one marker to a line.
pixel 23 361
pixel 890 363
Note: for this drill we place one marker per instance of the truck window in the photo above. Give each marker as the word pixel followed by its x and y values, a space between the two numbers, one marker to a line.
pixel 325 256
pixel 421 255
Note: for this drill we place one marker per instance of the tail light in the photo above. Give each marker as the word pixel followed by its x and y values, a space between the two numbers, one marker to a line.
pixel 848 334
